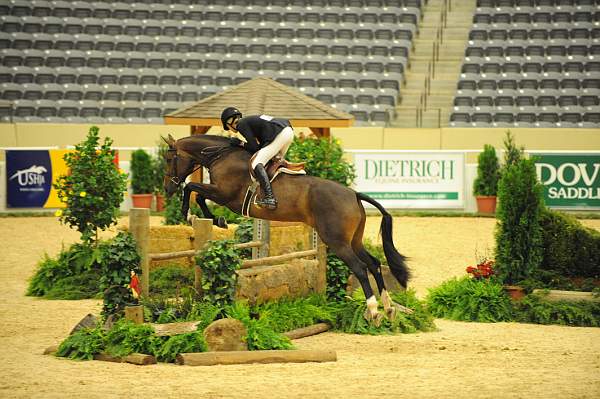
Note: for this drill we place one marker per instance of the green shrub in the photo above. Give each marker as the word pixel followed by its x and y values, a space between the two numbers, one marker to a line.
pixel 219 262
pixel 74 274
pixel 170 279
pixel 83 344
pixel 519 241
pixel 337 277
pixel 324 157
pixel 160 166
pixel 534 309
pixel 173 204
pixel 488 172
pixel 182 343
pixel 290 314
pixel 142 173
pixel 245 233
pixel 350 316
pixel 93 189
pixel 512 153
pixel 570 248
pixel 119 259
pixel 125 338
pixel 218 210
pixel 468 299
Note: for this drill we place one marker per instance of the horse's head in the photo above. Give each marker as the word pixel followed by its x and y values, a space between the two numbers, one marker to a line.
pixel 178 167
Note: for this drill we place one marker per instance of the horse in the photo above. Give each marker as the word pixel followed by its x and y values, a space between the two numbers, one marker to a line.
pixel 335 211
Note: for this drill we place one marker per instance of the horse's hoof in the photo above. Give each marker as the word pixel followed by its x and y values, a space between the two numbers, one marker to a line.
pixel 220 222
pixel 391 313
pixel 374 319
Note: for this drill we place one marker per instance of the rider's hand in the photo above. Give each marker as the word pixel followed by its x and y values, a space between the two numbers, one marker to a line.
pixel 235 142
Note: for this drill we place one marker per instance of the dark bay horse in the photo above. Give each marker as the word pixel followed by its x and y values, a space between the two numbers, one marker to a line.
pixel 335 211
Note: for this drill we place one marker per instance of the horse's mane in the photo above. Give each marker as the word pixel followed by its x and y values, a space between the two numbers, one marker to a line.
pixel 209 148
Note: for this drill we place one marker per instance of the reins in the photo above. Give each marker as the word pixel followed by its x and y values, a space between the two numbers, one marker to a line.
pixel 208 156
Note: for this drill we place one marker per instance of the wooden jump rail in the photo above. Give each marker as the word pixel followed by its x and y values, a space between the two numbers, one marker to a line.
pixel 139 226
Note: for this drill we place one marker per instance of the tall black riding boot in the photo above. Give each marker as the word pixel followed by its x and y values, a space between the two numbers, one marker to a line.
pixel 269 200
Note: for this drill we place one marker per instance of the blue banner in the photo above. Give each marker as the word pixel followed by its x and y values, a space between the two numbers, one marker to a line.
pixel 28 178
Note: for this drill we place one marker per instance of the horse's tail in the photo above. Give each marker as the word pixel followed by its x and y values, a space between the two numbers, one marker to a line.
pixel 396 261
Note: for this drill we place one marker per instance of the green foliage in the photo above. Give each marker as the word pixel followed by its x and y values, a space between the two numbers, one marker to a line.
pixel 173 204
pixel 166 309
pixel 519 241
pixel 93 190
pixel 468 299
pixel 350 316
pixel 170 279
pixel 218 210
pixel 125 337
pixel 219 262
pixel 290 314
pixel 512 153
pixel 260 336
pixel 119 258
pixel 488 172
pixel 337 277
pixel 570 248
pixel 324 158
pixel 160 167
pixel 533 309
pixel 245 233
pixel 142 172
pixel 182 343
pixel 82 345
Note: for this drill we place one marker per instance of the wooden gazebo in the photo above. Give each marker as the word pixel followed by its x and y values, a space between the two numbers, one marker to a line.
pixel 262 96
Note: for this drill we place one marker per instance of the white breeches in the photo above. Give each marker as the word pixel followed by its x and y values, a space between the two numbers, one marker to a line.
pixel 279 146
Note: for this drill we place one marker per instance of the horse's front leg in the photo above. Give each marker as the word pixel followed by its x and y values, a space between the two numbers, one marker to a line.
pixel 203 192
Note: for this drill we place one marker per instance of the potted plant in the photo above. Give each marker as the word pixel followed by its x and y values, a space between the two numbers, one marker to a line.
pixel 142 179
pixel 159 174
pixel 485 186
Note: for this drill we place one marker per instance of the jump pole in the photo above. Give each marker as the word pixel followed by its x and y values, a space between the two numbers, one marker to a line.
pixel 139 227
pixel 262 356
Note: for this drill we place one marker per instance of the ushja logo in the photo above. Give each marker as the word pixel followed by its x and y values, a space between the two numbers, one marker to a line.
pixel 30 176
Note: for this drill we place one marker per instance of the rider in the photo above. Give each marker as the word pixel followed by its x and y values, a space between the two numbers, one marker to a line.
pixel 266 136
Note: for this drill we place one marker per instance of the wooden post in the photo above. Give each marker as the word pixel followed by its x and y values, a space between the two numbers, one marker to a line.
pixel 135 314
pixel 139 227
pixel 202 234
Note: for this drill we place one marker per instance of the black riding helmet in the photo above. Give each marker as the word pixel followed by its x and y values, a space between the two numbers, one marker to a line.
pixel 227 114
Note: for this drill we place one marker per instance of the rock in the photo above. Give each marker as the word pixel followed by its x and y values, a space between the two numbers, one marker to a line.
pixel 226 335
pixel 89 321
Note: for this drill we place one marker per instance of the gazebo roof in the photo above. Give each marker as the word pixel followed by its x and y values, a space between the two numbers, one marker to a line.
pixel 257 96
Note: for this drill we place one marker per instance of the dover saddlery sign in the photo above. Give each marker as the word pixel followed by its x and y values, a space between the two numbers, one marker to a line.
pixel 411 179
pixel 570 180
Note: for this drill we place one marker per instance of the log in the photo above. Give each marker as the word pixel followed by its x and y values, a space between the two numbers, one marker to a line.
pixel 275 260
pixel 51 350
pixel 569 296
pixel 140 359
pixel 105 357
pixel 168 329
pixel 307 331
pixel 264 357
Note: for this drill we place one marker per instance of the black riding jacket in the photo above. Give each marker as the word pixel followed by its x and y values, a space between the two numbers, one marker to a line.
pixel 260 130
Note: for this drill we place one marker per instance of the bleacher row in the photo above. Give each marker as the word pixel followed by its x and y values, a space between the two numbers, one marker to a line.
pixel 531 63
pixel 351 54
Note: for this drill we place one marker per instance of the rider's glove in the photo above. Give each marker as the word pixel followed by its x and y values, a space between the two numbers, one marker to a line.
pixel 235 142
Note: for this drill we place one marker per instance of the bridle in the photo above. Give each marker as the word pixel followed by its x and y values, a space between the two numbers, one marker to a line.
pixel 209 154
pixel 175 177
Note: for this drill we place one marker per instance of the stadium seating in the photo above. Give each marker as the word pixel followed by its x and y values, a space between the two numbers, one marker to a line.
pixel 532 63
pixel 109 56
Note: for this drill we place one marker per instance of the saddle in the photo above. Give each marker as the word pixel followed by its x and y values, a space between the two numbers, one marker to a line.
pixel 277 166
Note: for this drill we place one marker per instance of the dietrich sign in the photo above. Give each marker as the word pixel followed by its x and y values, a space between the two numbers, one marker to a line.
pixel 411 179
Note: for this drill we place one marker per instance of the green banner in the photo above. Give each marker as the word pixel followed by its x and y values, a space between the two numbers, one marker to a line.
pixel 411 195
pixel 570 180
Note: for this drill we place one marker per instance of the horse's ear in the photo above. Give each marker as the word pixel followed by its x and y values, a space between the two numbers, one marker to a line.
pixel 165 140
pixel 169 140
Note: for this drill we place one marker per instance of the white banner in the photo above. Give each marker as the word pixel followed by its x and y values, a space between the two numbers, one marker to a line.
pixel 411 179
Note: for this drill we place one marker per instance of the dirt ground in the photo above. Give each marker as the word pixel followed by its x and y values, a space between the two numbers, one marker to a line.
pixel 460 360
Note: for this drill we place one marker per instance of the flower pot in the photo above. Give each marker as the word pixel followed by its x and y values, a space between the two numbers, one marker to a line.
pixel 515 292
pixel 486 203
pixel 142 200
pixel 160 202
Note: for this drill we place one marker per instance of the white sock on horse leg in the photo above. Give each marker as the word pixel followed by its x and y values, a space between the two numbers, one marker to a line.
pixel 372 304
